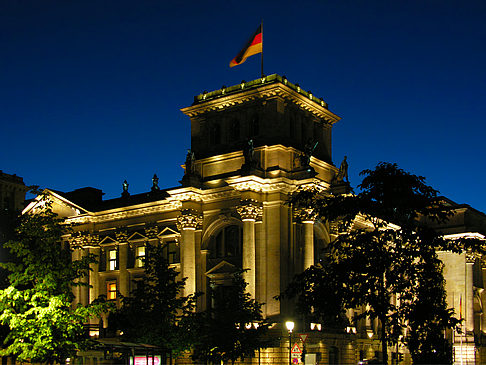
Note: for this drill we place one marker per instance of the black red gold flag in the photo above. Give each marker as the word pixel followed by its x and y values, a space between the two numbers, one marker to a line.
pixel 252 47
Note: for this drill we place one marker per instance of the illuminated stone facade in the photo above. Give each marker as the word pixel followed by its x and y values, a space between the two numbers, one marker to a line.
pixel 252 144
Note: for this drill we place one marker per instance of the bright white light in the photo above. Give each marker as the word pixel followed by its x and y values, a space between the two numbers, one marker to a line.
pixel 289 325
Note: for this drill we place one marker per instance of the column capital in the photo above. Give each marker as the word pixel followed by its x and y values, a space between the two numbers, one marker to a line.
pixel 189 219
pixel 249 210
pixel 306 215
pixel 471 257
pixel 121 235
pixel 151 231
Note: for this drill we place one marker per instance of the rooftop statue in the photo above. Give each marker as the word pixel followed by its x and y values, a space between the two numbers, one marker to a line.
pixel 155 183
pixel 343 171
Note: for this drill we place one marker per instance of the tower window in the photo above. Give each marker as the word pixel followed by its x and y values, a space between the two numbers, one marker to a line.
pixel 215 134
pixel 235 130
pixel 254 126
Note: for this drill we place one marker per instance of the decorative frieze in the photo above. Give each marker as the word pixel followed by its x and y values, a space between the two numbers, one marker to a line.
pixel 189 219
pixel 85 239
pixel 250 210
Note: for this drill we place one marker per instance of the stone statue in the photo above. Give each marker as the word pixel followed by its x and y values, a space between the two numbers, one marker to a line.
pixel 248 152
pixel 190 158
pixel 155 183
pixel 343 171
pixel 309 149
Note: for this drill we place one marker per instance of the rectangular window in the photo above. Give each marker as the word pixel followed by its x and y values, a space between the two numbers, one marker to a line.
pixel 171 252
pixel 111 290
pixel 139 256
pixel 112 259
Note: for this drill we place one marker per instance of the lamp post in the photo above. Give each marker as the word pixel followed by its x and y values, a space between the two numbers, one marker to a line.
pixel 290 327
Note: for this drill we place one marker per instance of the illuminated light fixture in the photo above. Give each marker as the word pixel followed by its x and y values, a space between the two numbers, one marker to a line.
pixel 256 325
pixel 310 94
pixel 242 85
pixel 237 325
pixel 205 93
pixel 263 79
pixel 315 326
pixel 285 81
pixel 298 88
pixel 223 89
pixel 369 333
pixel 94 333
pixel 351 329
pixel 247 326
pixel 289 325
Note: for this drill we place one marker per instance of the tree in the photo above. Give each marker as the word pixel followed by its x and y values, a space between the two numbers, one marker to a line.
pixel 384 260
pixel 233 327
pixel 155 312
pixel 37 306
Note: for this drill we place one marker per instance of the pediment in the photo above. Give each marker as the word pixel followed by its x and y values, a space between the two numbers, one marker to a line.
pixel 63 207
pixel 108 241
pixel 224 267
pixel 167 231
pixel 136 237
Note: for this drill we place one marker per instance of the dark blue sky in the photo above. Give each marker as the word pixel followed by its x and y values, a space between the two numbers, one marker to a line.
pixel 91 89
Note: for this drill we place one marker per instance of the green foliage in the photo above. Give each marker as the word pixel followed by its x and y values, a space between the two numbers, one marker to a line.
pixel 227 331
pixel 37 304
pixel 383 252
pixel 155 312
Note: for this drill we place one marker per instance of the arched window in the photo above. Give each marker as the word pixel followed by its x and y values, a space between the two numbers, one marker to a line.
pixel 214 134
pixel 226 245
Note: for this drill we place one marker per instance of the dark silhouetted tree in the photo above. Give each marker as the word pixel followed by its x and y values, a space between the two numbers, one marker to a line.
pixel 233 327
pixel 156 313
pixel 383 260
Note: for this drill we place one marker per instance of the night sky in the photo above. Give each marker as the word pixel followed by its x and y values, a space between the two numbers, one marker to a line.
pixel 91 90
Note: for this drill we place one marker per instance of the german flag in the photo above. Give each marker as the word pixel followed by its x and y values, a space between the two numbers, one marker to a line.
pixel 253 46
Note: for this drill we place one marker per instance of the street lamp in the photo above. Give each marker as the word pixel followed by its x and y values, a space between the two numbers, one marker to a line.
pixel 290 327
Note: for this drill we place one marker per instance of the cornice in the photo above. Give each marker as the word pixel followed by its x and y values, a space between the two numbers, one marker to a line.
pixel 302 99
pixel 174 202
pixel 125 212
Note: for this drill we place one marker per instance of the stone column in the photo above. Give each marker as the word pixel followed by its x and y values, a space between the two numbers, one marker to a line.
pixel 93 275
pixel 470 258
pixel 124 278
pixel 307 217
pixel 249 210
pixel 187 223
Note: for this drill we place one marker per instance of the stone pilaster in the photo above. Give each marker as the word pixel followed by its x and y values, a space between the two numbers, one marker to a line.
pixel 93 275
pixel 249 211
pixel 187 223
pixel 123 285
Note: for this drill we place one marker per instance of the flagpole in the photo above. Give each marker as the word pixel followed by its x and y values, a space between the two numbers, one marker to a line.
pixel 262 51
